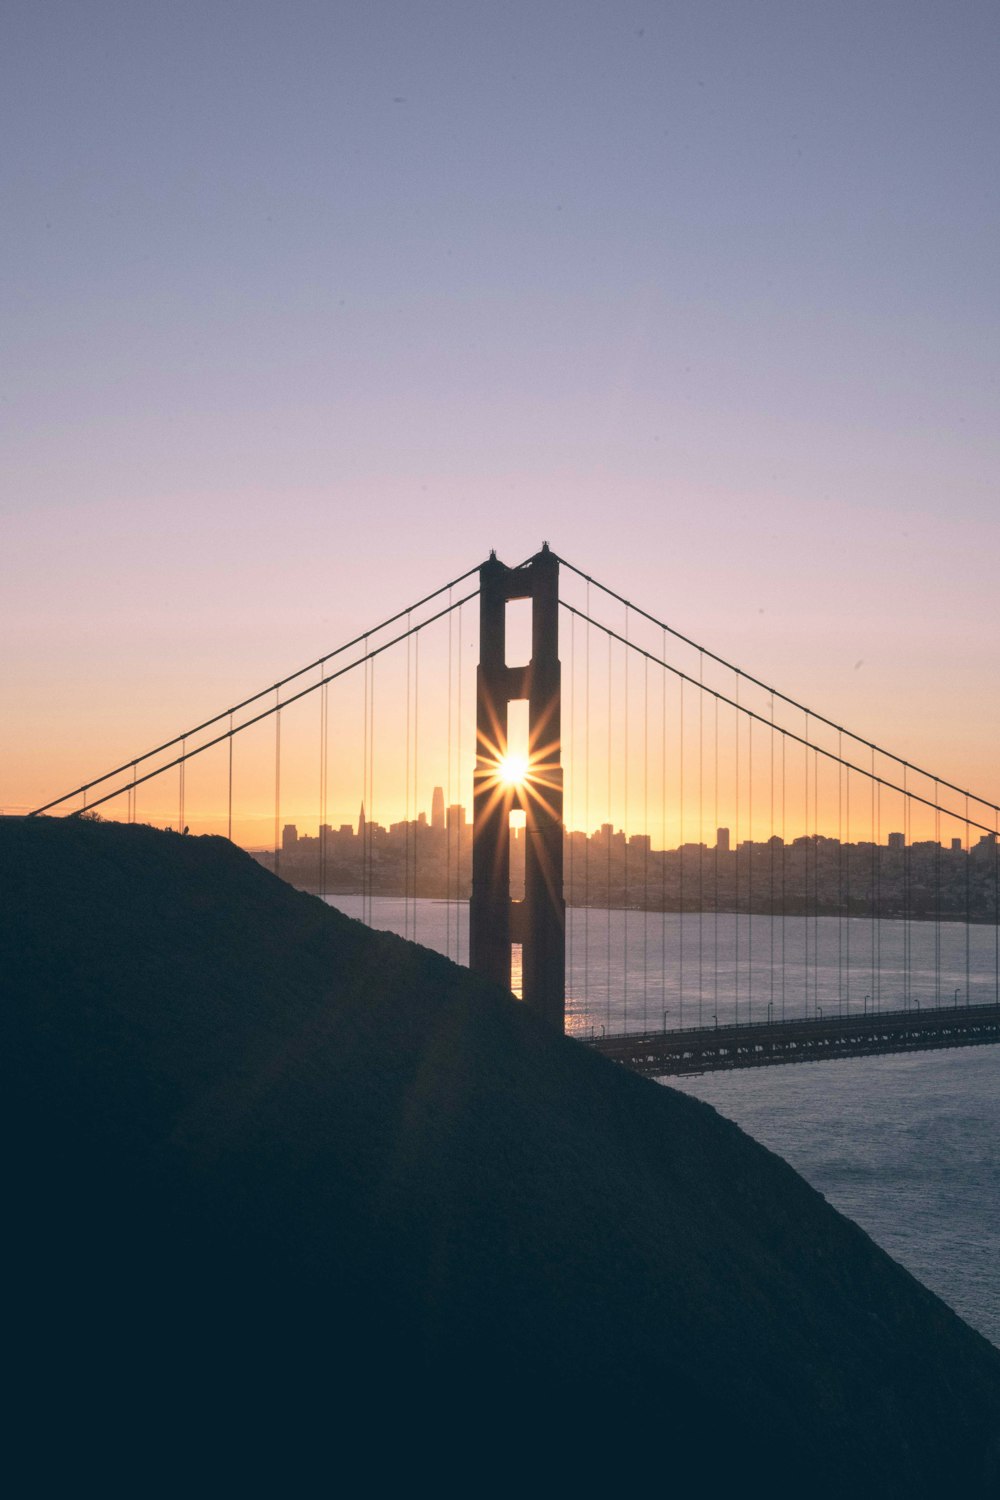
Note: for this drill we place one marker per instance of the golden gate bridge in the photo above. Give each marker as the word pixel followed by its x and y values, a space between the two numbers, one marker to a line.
pixel 779 887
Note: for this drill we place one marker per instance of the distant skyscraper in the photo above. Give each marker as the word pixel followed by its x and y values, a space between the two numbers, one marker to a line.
pixel 361 822
pixel 437 808
pixel 722 840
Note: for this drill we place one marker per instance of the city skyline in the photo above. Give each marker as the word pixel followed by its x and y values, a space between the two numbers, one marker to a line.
pixel 455 815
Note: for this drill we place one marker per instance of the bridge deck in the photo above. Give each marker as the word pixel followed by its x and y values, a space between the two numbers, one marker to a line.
pixel 705 1049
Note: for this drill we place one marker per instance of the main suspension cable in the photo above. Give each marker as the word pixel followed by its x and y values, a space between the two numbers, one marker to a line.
pixel 792 702
pixel 266 713
pixel 790 735
pixel 255 697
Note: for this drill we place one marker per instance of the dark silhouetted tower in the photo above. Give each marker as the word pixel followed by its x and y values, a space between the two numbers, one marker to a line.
pixel 437 808
pixel 539 921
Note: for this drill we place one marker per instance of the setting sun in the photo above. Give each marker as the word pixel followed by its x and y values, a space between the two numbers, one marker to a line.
pixel 513 770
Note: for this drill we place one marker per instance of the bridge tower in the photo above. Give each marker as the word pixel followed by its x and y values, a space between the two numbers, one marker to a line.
pixel 538 922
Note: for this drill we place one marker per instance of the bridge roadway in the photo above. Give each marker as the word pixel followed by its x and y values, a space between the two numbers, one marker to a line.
pixel 756 1044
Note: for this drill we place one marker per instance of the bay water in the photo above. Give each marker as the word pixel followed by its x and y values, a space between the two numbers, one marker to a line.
pixel 905 1145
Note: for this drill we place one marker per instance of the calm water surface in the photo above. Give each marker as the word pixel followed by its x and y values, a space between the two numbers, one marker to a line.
pixel 905 1146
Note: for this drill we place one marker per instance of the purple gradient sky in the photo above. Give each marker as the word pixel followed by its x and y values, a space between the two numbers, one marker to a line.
pixel 306 306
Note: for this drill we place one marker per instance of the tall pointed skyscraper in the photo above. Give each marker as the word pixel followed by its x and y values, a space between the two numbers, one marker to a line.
pixel 437 808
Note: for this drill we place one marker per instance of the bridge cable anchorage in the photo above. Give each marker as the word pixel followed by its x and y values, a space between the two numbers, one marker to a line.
pixel 257 718
pixel 255 697
pixel 756 682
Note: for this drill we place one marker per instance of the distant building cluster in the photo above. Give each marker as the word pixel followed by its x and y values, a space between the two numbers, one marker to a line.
pixel 811 873
pixel 415 857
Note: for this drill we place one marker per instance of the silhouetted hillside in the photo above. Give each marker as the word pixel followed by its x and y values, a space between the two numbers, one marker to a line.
pixel 277 1177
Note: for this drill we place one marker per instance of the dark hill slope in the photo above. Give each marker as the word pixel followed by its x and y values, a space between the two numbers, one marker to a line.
pixel 268 1160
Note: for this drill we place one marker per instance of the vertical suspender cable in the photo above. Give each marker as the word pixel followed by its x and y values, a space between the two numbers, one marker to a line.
pixel 370 824
pixel 277 787
pixel 937 893
pixel 715 902
pixel 701 828
pixel 847 892
pixel 625 832
pixel 806 848
pixel 366 873
pixel 416 781
pixel 663 835
pixel 569 817
pixel 840 876
pixel 647 840
pixel 460 830
pixel 610 833
pixel 770 870
pixel 816 766
pixel 784 869
pixel 750 869
pixel 448 799
pixel 878 922
pixel 229 825
pixel 411 822
pixel 586 807
pixel 873 872
pixel 408 829
pixel 906 894
pixel 736 865
pixel 968 902
pixel 680 859
pixel 324 784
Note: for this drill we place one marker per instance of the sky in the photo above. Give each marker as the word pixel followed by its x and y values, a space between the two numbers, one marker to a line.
pixel 306 307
